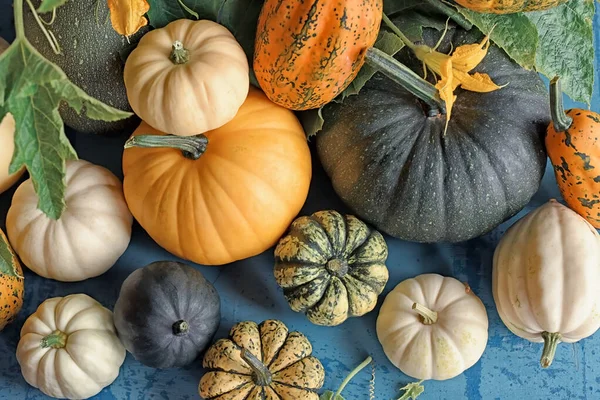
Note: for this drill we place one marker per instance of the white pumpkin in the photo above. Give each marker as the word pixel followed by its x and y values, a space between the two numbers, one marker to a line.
pixel 7 144
pixel 432 327
pixel 187 78
pixel 91 234
pixel 69 348
pixel 546 278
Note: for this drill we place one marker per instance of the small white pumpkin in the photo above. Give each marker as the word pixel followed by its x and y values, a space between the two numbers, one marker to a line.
pixel 187 78
pixel 546 278
pixel 91 234
pixel 432 327
pixel 69 348
pixel 7 144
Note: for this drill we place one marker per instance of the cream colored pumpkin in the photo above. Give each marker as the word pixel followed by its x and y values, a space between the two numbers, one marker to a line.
pixel 91 234
pixel 7 144
pixel 432 327
pixel 546 278
pixel 69 348
pixel 187 78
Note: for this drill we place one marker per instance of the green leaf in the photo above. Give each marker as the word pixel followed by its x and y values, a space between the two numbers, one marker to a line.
pixel 412 391
pixel 386 42
pixel 32 89
pixel 555 42
pixel 392 7
pixel 412 22
pixel 50 5
pixel 7 266
pixel 312 121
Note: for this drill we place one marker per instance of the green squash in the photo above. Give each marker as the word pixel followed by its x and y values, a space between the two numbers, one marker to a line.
pixel 391 163
pixel 331 267
pixel 92 58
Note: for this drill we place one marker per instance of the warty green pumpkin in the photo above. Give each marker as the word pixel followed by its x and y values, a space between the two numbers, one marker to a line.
pixel 331 267
pixel 392 162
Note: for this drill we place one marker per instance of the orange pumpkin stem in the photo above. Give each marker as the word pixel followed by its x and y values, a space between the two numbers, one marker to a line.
pixel 192 147
pixel 561 120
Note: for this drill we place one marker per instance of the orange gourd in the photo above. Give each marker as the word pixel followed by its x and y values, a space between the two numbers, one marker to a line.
pixel 11 283
pixel 509 6
pixel 307 52
pixel 573 144
pixel 231 194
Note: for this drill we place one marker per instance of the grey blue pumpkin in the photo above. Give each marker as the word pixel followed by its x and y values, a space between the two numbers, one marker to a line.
pixel 166 314
pixel 261 361
pixel 331 267
pixel 392 163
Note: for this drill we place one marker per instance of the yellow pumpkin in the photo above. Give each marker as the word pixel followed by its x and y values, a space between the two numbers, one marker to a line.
pixel 221 196
pixel 187 78
pixel 7 144
pixel 11 283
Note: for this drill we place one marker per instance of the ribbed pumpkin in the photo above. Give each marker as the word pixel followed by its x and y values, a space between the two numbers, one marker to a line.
pixel 509 6
pixel 573 144
pixel 307 52
pixel 263 361
pixel 12 285
pixel 231 194
pixel 331 267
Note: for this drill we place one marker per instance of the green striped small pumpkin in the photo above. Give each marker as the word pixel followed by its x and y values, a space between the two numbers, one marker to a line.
pixel 331 267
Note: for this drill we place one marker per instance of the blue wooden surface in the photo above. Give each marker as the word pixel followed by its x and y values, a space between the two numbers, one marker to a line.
pixel 508 369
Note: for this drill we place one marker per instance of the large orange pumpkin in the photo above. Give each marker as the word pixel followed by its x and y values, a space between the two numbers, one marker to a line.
pixel 573 143
pixel 12 284
pixel 307 52
pixel 231 194
pixel 509 6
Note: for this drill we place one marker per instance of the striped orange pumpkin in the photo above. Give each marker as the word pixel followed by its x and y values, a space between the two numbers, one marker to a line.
pixel 509 6
pixel 307 52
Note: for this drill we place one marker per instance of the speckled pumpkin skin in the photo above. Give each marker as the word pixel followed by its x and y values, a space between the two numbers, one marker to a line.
pixel 11 283
pixel 296 374
pixel 509 6
pixel 575 155
pixel 331 267
pixel 307 52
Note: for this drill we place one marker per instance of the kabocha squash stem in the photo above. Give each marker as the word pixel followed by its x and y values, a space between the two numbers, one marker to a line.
pixel 191 146
pixel 428 317
pixel 561 120
pixel 55 340
pixel 181 328
pixel 406 78
pixel 551 341
pixel 179 54
pixel 262 376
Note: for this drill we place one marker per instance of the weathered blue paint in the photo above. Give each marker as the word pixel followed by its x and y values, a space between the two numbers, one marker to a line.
pixel 509 368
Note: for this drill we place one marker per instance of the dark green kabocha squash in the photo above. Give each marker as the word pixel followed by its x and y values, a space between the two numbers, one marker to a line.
pixel 390 161
pixel 166 314
pixel 331 267
pixel 92 58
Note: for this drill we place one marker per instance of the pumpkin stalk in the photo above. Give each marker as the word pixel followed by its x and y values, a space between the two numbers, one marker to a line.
pixel 551 341
pixel 561 120
pixel 192 147
pixel 352 375
pixel 406 78
pixel 428 317
pixel 180 328
pixel 261 374
pixel 55 340
pixel 179 54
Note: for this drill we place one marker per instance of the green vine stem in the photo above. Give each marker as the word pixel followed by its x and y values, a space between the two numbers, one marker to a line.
pixel 551 341
pixel 181 328
pixel 55 340
pixel 20 31
pixel 440 5
pixel 406 78
pixel 192 147
pixel 352 375
pixel 428 317
pixel 561 120
pixel 18 15
pixel 407 42
pixel 261 374
pixel 179 54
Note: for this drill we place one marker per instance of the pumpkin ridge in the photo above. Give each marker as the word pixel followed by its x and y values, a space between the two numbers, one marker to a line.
pixel 451 341
pixel 262 353
pixel 293 293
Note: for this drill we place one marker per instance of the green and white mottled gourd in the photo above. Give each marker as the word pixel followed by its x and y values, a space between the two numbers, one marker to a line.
pixel 331 267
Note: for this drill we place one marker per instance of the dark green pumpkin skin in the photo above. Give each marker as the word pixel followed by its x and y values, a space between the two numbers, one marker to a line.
pixel 393 166
pixel 91 59
pixel 152 302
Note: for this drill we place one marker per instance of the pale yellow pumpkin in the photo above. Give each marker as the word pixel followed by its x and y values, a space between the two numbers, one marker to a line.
pixel 187 78
pixel 7 144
